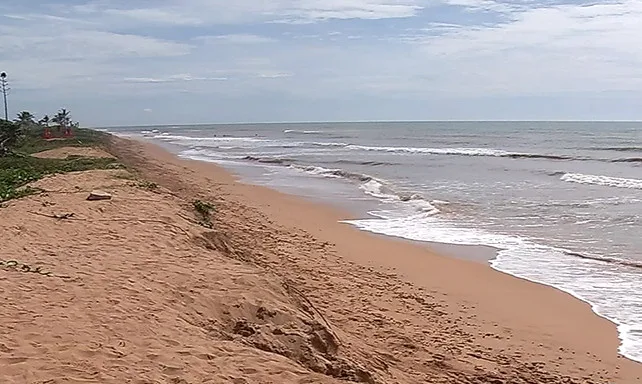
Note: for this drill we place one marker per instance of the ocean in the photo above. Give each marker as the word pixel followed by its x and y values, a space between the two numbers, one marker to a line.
pixel 560 201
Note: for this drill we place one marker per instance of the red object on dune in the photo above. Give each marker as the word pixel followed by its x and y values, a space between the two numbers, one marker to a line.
pixel 68 132
pixel 47 134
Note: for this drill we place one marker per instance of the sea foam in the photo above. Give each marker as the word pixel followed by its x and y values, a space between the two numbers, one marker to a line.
pixel 606 181
pixel 610 288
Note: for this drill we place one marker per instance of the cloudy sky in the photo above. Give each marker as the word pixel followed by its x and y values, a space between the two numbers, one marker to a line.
pixel 120 62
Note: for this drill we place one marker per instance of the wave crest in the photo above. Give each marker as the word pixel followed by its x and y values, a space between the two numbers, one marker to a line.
pixel 302 132
pixel 269 160
pixel 619 149
pixel 463 152
pixel 606 181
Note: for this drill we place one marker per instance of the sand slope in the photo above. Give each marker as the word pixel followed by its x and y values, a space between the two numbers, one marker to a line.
pixel 141 293
pixel 134 297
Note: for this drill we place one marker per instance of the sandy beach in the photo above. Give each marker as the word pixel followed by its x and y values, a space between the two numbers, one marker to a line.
pixel 141 289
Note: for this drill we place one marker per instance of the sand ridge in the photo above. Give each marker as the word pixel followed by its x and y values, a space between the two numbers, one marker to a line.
pixel 142 293
pixel 132 296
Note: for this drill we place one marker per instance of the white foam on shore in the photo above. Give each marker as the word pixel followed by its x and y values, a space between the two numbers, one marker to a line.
pixel 211 159
pixel 376 188
pixel 606 181
pixel 302 132
pixel 610 289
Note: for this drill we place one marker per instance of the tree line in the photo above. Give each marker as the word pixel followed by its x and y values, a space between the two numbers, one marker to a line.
pixel 11 132
pixel 62 119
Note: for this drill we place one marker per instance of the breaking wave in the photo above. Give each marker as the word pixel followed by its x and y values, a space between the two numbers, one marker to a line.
pixel 165 136
pixel 302 132
pixel 286 161
pixel 334 173
pixel 606 181
pixel 374 187
pixel 269 160
pixel 369 163
pixel 245 142
pixel 463 152
pixel 610 260
pixel 338 145
pixel 628 160
pixel 618 149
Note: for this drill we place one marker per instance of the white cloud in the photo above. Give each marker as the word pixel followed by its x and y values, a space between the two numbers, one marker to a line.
pixel 107 44
pixel 486 5
pixel 156 16
pixel 148 110
pixel 17 17
pixel 198 12
pixel 235 39
pixel 144 80
pixel 72 43
pixel 182 77
pixel 274 75
pixel 146 50
pixel 314 10
pixel 562 48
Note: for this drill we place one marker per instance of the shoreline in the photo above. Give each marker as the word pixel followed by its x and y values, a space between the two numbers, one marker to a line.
pixel 567 317
pixel 261 287
pixel 482 254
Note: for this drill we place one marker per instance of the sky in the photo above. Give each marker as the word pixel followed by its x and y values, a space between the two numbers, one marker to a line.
pixel 146 62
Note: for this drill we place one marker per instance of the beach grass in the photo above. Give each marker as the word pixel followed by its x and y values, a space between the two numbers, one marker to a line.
pixel 148 185
pixel 204 211
pixel 33 142
pixel 17 171
pixel 20 168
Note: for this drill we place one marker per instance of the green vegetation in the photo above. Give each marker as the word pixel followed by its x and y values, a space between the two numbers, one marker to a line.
pixel 10 135
pixel 32 142
pixel 25 118
pixel 124 176
pixel 20 139
pixel 62 118
pixel 25 135
pixel 17 171
pixel 204 211
pixel 148 185
pixel 136 182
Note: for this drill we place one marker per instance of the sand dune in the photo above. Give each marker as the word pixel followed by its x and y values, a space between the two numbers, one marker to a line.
pixel 275 292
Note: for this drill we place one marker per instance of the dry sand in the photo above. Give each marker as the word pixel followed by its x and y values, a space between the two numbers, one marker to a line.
pixel 63 153
pixel 276 292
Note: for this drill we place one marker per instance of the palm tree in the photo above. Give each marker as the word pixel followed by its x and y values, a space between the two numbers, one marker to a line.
pixel 44 121
pixel 62 118
pixel 25 118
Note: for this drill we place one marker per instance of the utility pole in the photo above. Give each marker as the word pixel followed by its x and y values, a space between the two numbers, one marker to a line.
pixel 3 85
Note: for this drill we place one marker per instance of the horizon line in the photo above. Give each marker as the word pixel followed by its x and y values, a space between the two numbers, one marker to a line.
pixel 367 121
